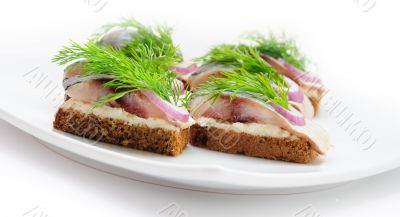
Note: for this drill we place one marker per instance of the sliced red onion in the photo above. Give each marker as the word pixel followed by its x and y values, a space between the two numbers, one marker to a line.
pixel 298 74
pixel 294 94
pixel 184 70
pixel 180 114
pixel 281 61
pixel 292 116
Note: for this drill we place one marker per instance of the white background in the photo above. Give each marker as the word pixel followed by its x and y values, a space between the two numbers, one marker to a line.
pixel 343 38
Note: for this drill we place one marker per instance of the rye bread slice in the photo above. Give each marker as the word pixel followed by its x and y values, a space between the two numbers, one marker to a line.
pixel 119 132
pixel 286 149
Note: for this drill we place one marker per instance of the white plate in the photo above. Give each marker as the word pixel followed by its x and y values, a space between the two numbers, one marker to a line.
pixel 355 67
pixel 205 170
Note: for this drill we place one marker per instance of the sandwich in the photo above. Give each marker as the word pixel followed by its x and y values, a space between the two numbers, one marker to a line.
pixel 119 89
pixel 242 105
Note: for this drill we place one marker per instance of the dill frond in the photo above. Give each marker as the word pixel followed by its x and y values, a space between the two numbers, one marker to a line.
pixel 279 47
pixel 251 75
pixel 142 69
pixel 159 38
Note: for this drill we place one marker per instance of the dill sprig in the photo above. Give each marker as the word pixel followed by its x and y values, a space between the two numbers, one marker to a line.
pixel 159 38
pixel 242 82
pixel 279 47
pixel 251 75
pixel 142 69
pixel 240 56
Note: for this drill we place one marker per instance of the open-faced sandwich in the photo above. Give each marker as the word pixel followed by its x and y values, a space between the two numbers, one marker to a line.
pixel 243 105
pixel 120 89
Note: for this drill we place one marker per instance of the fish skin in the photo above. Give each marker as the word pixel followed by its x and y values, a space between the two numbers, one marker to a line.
pixel 118 37
pixel 90 92
pixel 204 73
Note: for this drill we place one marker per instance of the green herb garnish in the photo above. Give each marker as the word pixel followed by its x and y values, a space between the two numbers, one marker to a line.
pixel 240 56
pixel 251 75
pixel 279 47
pixel 158 38
pixel 253 85
pixel 142 69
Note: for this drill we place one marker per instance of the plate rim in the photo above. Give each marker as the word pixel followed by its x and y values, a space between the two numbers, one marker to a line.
pixel 239 179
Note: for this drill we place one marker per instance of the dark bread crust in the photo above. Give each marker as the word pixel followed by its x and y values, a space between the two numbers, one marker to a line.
pixel 119 132
pixel 285 149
